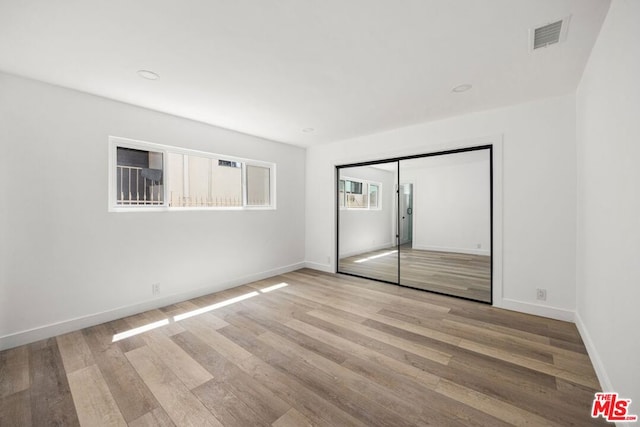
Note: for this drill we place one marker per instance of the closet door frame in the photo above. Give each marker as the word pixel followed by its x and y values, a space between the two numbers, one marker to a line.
pixel 397 160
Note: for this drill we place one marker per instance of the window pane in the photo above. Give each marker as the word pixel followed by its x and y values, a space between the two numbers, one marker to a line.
pixel 197 181
pixel 356 201
pixel 226 183
pixel 199 169
pixel 175 171
pixel 373 196
pixel 139 177
pixel 258 186
pixel 353 187
pixel 355 198
pixel 341 194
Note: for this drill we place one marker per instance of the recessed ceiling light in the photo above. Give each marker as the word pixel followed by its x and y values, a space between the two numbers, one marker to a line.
pixel 308 130
pixel 461 88
pixel 149 75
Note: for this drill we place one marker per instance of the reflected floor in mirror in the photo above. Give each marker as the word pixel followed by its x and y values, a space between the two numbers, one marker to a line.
pixel 457 274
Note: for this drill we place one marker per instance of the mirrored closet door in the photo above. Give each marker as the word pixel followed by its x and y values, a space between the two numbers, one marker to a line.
pixel 423 222
pixel 367 221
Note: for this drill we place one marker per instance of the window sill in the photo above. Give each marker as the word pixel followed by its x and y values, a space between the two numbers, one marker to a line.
pixel 141 209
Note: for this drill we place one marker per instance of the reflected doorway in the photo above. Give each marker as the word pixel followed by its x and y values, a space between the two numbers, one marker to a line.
pixel 406 213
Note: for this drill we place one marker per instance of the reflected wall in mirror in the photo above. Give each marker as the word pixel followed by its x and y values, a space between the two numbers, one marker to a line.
pixel 367 221
pixel 445 224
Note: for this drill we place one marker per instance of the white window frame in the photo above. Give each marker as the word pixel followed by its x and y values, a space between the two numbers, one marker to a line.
pixel 116 141
pixel 362 181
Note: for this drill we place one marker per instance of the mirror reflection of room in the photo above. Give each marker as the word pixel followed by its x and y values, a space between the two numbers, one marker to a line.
pixel 367 215
pixel 445 224
pixel 434 233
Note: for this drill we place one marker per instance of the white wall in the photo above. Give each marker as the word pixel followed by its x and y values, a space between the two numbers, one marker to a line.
pixel 367 230
pixel 608 134
pixel 451 206
pixel 65 257
pixel 539 174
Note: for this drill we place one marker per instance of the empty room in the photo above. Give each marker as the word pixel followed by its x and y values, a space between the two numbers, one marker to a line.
pixel 336 213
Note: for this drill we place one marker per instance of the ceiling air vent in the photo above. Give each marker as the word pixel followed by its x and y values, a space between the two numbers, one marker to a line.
pixel 549 34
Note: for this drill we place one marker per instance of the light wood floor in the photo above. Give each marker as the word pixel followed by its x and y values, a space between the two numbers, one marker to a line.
pixel 463 275
pixel 324 350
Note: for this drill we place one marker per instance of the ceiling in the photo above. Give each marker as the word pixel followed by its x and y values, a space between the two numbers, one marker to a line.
pixel 275 68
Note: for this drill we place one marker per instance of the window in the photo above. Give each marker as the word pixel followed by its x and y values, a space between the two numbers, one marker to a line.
pixel 374 189
pixel 139 177
pixel 353 187
pixel 359 194
pixel 145 175
pixel 258 185
pixel 197 181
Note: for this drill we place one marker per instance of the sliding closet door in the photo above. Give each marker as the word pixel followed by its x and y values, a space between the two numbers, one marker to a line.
pixel 445 224
pixel 367 221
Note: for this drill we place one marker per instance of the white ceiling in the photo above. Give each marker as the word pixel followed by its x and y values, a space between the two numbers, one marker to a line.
pixel 274 67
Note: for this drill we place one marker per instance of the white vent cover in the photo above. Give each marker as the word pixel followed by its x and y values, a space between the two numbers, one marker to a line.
pixel 549 34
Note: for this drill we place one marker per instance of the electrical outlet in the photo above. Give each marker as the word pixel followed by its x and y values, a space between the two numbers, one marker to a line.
pixel 541 294
pixel 328 260
pixel 479 245
pixel 155 288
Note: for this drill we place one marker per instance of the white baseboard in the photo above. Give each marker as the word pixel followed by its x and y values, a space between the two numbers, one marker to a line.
pixel 366 250
pixel 601 372
pixel 327 268
pixel 537 309
pixel 454 250
pixel 70 325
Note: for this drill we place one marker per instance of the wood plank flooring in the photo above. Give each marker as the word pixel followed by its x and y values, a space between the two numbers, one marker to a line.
pixel 463 275
pixel 325 350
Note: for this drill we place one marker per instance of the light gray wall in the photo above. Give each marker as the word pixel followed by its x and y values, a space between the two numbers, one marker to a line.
pixel 65 257
pixel 366 230
pixel 451 202
pixel 608 134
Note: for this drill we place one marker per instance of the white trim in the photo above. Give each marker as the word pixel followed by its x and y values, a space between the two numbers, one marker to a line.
pixel 601 372
pixel 455 250
pixel 387 245
pixel 327 268
pixel 69 325
pixel 537 309
pixel 497 143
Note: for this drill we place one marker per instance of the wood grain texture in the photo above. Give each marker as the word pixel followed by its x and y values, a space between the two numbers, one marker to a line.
pixel 75 352
pixel 326 350
pixel 156 418
pixel 129 391
pixel 14 371
pixel 180 404
pixel 449 273
pixel 51 400
pixel 190 372
pixel 15 409
pixel 93 400
pixel 292 418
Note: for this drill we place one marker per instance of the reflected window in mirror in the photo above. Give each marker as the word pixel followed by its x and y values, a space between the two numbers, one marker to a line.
pixel 358 194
